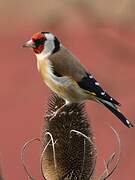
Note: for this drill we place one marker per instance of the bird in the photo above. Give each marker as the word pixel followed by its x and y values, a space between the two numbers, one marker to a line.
pixel 65 75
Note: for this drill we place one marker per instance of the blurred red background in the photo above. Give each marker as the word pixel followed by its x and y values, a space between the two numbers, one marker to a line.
pixel 102 36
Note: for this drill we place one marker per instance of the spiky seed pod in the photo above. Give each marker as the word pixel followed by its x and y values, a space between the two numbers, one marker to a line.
pixel 68 145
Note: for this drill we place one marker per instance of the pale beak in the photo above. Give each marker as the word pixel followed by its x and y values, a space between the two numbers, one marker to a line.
pixel 29 44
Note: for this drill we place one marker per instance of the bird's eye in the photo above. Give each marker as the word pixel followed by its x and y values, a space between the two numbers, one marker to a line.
pixel 39 42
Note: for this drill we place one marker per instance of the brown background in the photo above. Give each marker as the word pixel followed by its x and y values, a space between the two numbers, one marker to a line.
pixel 102 35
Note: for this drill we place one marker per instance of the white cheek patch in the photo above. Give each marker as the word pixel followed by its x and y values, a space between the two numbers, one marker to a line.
pixel 49 37
pixel 49 47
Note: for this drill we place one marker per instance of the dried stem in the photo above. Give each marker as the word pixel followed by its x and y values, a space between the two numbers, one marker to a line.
pixel 24 148
pixel 1 174
pixel 107 173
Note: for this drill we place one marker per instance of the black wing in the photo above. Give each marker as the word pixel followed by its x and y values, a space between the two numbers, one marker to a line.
pixel 90 84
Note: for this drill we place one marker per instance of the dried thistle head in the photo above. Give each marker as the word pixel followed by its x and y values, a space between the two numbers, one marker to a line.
pixel 69 150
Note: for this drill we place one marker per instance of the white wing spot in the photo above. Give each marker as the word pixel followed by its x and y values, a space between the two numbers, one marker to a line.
pixel 91 76
pixel 103 93
pixel 96 83
pixel 111 99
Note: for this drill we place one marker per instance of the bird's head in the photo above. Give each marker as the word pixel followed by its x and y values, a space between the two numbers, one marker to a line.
pixel 43 43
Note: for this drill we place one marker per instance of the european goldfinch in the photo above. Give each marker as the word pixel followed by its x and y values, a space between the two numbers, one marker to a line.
pixel 62 72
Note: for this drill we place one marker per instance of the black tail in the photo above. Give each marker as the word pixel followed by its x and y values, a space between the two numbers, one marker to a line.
pixel 116 112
